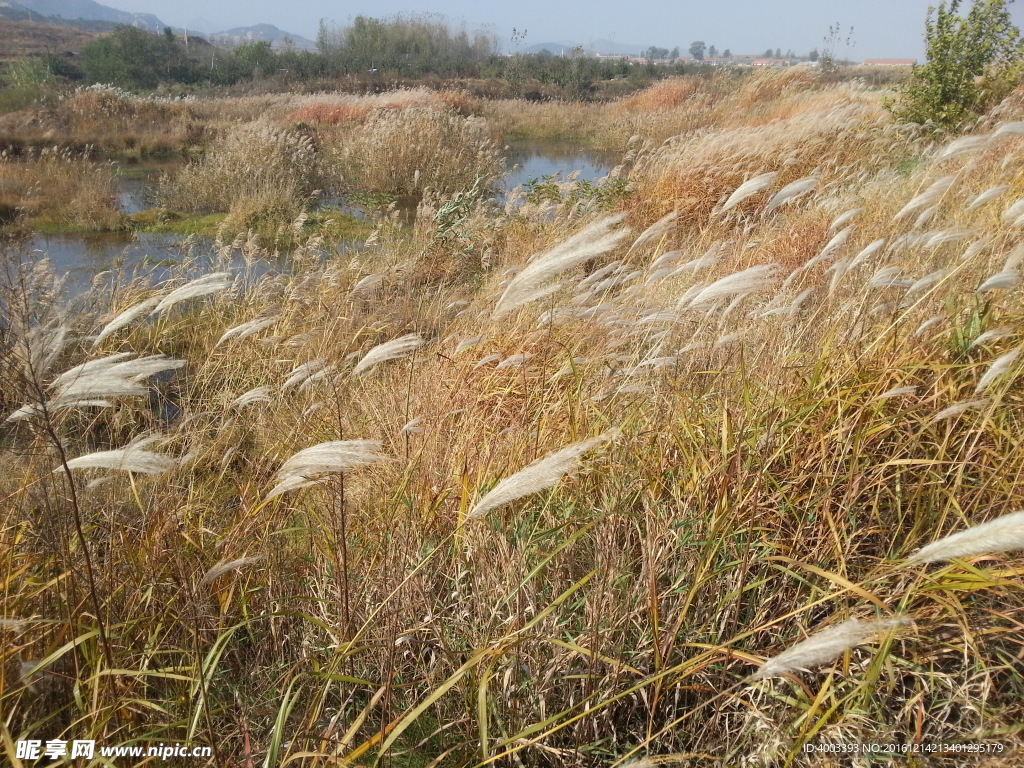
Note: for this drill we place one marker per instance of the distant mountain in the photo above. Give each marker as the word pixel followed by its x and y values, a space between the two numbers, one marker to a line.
pixel 88 10
pixel 596 47
pixel 278 37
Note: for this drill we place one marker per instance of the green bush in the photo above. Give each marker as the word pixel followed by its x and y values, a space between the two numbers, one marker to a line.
pixel 972 62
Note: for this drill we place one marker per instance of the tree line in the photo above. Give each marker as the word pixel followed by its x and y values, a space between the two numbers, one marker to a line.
pixel 403 47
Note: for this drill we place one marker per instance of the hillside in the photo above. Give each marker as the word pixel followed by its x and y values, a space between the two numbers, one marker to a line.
pixel 27 38
pixel 259 32
pixel 89 10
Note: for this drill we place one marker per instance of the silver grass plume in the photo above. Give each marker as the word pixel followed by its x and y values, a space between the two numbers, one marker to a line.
pixel 1016 209
pixel 514 361
pixel 926 198
pixel 465 344
pixel 132 458
pixel 927 280
pixel 958 408
pixel 963 146
pixel 301 373
pixel 485 360
pixel 929 323
pixel 532 282
pixel 228 566
pixel 842 219
pixel 825 646
pixel 838 241
pixel 993 334
pixel 538 476
pixel 659 228
pixel 983 197
pixel 665 259
pixel 1003 534
pixel 748 189
pixel 999 366
pixel 897 392
pixel 365 286
pixel 739 283
pixel 413 427
pixel 256 395
pixel 869 250
pixel 91 383
pixel 600 274
pixel 247 329
pixel 1000 281
pixel 201 286
pixel 791 192
pixel 403 346
pixel 127 317
pixel 889 277
pixel 315 464
pixel 1009 129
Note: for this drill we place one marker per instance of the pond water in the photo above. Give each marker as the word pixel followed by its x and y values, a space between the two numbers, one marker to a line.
pixel 83 256
pixel 531 160
pixel 86 255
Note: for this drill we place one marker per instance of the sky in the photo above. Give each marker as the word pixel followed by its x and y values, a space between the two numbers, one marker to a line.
pixel 881 28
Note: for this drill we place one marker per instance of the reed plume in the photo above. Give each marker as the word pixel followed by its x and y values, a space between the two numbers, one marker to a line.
pixel 538 476
pixel 134 457
pixel 127 317
pixel 749 188
pixel 532 282
pixel 389 350
pixel 1003 534
pixel 825 646
pixel 317 463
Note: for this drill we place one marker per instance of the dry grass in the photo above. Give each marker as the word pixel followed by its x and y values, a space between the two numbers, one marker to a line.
pixel 255 173
pixel 407 151
pixel 56 190
pixel 778 456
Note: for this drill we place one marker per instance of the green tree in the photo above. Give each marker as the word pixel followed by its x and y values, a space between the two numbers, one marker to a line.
pixel 972 62
pixel 697 48
pixel 132 58
pixel 712 52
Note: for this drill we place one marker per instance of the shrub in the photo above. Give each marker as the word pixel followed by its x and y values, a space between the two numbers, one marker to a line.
pixel 404 152
pixel 250 163
pixel 60 191
pixel 973 62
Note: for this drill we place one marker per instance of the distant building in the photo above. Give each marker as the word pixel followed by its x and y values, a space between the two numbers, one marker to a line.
pixel 889 62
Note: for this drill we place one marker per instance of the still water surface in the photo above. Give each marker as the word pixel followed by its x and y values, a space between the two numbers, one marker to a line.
pixel 86 255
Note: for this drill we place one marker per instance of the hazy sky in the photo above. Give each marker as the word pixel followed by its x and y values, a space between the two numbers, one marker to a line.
pixel 882 28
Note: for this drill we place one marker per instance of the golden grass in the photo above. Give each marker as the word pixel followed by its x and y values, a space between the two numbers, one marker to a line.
pixel 56 190
pixel 778 459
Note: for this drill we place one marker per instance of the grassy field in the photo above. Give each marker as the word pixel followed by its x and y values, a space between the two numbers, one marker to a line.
pixel 626 473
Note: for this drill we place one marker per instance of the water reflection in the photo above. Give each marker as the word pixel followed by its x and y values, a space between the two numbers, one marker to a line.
pixel 529 160
pixel 85 255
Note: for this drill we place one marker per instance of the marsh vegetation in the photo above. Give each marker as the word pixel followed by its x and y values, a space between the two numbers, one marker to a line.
pixel 607 470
